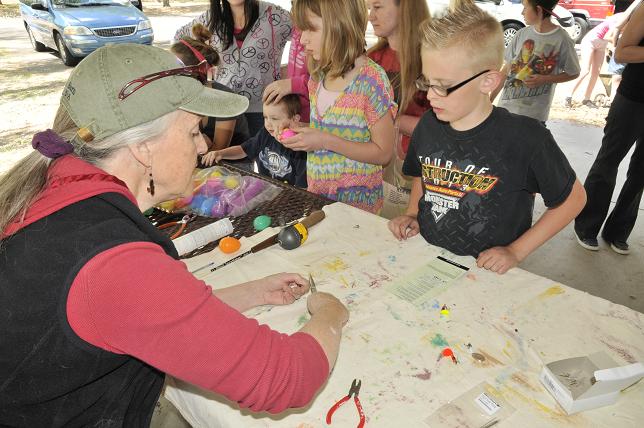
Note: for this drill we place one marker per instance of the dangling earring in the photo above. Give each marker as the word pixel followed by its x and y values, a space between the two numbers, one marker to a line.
pixel 151 184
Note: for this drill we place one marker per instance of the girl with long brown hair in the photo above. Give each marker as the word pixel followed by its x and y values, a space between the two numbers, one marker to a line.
pixel 398 52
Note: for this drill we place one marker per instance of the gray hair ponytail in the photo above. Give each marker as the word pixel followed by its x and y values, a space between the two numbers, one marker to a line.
pixel 23 183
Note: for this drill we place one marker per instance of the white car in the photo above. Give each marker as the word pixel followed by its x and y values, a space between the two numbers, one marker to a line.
pixel 508 13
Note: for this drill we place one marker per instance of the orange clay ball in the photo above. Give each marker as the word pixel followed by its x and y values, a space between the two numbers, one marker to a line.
pixel 229 245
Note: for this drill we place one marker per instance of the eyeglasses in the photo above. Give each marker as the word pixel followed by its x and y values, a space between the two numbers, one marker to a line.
pixel 423 85
pixel 198 71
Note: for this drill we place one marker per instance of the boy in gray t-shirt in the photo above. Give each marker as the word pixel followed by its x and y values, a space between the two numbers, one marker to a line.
pixel 540 56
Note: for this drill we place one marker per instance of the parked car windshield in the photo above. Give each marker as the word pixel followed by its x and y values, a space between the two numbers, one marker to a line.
pixel 88 3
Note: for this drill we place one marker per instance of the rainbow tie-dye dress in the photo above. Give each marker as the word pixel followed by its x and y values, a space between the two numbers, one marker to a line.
pixel 364 101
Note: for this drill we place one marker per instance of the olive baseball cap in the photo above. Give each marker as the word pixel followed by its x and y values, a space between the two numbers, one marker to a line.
pixel 91 94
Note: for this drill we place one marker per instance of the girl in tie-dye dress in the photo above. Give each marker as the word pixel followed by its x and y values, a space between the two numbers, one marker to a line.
pixel 351 132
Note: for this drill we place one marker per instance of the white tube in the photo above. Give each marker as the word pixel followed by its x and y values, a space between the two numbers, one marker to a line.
pixel 200 237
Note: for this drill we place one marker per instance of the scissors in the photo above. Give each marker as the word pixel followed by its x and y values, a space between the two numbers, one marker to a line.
pixel 312 284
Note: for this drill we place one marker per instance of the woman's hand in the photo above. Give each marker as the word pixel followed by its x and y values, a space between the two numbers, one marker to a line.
pixel 324 302
pixel 281 288
pixel 275 91
pixel 306 140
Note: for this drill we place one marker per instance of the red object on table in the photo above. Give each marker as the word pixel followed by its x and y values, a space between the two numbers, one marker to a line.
pixel 353 392
pixel 180 223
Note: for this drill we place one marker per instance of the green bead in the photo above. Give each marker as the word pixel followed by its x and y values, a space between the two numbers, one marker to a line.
pixel 261 222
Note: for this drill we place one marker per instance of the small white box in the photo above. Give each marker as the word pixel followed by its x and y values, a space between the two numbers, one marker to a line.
pixel 583 383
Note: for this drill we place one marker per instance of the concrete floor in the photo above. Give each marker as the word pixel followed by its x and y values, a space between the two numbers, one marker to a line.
pixel 606 274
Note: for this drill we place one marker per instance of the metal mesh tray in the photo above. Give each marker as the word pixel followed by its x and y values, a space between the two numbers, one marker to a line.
pixel 290 204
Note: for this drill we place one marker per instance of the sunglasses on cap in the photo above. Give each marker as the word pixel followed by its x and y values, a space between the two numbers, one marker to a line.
pixel 197 71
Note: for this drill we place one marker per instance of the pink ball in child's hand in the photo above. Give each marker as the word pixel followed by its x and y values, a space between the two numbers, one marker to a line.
pixel 288 133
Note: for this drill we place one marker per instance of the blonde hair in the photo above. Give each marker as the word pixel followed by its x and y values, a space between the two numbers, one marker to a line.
pixel 478 34
pixel 343 34
pixel 23 183
pixel 411 14
pixel 456 4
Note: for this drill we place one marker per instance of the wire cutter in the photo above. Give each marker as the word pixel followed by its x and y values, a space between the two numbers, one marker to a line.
pixel 353 392
pixel 314 289
pixel 180 223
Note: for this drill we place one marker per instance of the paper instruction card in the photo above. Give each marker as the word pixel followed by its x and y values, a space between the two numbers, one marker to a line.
pixel 423 284
pixel 481 407
pixel 487 403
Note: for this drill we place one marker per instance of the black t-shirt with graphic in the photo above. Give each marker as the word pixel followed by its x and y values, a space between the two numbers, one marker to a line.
pixel 276 161
pixel 479 185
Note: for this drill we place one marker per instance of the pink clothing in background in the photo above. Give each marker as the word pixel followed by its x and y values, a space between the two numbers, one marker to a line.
pixel 299 73
pixel 600 31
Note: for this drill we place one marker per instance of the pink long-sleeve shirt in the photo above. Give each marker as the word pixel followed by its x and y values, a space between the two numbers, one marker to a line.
pixel 298 72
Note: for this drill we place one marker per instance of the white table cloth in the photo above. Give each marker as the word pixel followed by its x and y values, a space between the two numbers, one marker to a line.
pixel 519 321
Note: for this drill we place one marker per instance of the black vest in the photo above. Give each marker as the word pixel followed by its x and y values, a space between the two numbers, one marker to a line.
pixel 49 377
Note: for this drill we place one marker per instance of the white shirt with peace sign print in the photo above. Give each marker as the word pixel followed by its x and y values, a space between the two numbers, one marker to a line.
pixel 247 70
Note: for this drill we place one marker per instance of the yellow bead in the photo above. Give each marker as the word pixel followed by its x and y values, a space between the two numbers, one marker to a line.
pixel 231 182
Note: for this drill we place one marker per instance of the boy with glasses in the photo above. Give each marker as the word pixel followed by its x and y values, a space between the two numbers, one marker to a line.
pixel 476 167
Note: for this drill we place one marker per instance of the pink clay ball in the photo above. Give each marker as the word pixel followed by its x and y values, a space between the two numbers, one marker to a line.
pixel 288 133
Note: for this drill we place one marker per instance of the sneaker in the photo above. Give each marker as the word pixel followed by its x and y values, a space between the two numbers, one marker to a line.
pixel 590 244
pixel 568 102
pixel 589 104
pixel 620 247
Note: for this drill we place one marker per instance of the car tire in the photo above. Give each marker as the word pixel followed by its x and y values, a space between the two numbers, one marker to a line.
pixel 65 55
pixel 580 28
pixel 38 47
pixel 509 31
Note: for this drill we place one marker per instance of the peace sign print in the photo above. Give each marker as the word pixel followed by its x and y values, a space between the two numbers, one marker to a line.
pixel 236 82
pixel 249 52
pixel 264 67
pixel 276 19
pixel 263 43
pixel 242 70
pixel 228 59
pixel 252 83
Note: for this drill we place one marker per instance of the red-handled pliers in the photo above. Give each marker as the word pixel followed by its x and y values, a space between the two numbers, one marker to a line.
pixel 180 224
pixel 353 391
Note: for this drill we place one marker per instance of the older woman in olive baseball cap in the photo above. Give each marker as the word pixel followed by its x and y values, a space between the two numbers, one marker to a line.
pixel 96 307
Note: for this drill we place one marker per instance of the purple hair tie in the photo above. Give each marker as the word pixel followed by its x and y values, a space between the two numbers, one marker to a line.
pixel 50 144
